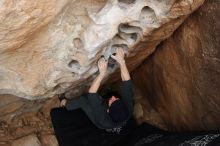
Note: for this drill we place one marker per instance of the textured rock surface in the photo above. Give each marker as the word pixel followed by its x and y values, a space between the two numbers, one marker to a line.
pixel 48 47
pixel 32 118
pixel 49 140
pixel 176 88
pixel 30 140
pixel 181 80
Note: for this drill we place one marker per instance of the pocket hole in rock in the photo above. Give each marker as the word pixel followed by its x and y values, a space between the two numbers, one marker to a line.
pixel 77 43
pixel 129 38
pixel 123 46
pixel 74 64
pixel 129 33
pixel 147 15
pixel 134 36
pixel 129 29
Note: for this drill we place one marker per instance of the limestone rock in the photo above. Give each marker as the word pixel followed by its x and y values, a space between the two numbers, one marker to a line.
pixel 9 104
pixel 30 118
pixel 48 47
pixel 30 140
pixel 181 80
pixel 51 103
pixel 49 140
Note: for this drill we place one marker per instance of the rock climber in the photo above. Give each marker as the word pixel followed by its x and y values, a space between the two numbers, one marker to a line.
pixel 118 110
pixel 112 116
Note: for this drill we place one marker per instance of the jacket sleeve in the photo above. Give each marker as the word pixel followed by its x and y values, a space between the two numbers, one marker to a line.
pixel 99 111
pixel 75 103
pixel 127 95
pixel 92 106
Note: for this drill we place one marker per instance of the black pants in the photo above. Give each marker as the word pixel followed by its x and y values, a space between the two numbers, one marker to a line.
pixel 74 128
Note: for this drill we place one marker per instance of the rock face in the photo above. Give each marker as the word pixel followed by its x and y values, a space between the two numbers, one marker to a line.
pixel 181 80
pixel 48 47
pixel 20 118
pixel 30 140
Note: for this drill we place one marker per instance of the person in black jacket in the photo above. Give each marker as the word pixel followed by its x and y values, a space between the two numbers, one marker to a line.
pixel 118 111
pixel 89 120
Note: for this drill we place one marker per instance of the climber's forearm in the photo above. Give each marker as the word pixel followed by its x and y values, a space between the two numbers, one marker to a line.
pixel 96 84
pixel 122 77
pixel 124 72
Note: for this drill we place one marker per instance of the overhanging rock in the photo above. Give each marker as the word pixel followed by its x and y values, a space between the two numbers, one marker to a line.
pixel 48 47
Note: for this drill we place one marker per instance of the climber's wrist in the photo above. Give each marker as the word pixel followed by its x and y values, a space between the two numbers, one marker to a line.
pixel 101 75
pixel 63 102
pixel 122 63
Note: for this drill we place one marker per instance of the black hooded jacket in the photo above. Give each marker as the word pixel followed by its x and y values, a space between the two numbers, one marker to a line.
pixel 94 108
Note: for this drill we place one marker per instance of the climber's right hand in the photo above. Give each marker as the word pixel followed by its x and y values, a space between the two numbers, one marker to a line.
pixel 63 103
pixel 119 56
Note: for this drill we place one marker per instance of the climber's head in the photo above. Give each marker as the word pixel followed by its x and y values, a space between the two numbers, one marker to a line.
pixel 112 100
pixel 117 109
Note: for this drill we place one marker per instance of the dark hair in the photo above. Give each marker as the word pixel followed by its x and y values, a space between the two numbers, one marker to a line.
pixel 109 93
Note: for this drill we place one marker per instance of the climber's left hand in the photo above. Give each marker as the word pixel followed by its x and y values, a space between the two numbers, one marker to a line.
pixel 102 65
